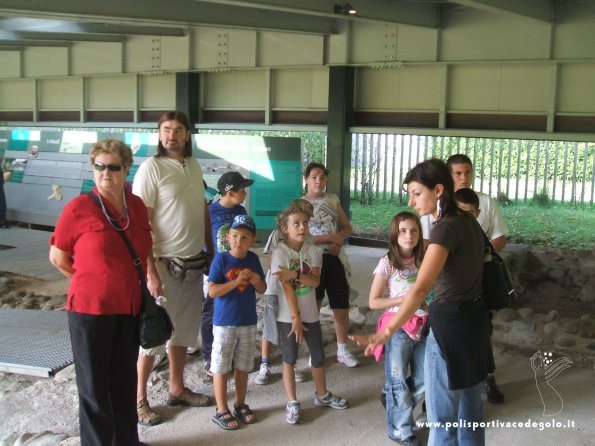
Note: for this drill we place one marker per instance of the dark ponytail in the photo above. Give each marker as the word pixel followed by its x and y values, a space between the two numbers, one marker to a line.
pixel 431 173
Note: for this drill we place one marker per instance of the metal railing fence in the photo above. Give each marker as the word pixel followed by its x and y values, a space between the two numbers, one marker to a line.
pixel 510 169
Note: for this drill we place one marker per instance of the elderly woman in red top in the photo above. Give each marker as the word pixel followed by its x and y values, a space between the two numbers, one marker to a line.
pixel 104 298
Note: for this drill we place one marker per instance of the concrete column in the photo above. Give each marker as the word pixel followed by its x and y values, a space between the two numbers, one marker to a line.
pixel 340 119
pixel 187 95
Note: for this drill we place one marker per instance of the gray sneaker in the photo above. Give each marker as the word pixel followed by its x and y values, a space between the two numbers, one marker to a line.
pixel 263 374
pixel 330 400
pixel 293 412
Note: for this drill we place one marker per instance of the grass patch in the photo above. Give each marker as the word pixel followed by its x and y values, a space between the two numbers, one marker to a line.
pixel 557 225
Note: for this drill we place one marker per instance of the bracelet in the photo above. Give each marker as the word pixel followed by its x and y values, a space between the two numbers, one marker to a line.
pixel 296 316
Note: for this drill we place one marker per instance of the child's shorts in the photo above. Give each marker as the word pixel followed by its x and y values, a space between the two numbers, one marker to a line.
pixel 233 344
pixel 313 338
pixel 269 319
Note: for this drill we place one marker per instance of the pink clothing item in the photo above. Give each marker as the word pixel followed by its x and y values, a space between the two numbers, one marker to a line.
pixel 412 327
pixel 382 324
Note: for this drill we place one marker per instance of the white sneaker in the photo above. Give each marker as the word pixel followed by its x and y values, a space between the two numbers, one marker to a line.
pixel 263 374
pixel 293 412
pixel 300 376
pixel 348 359
pixel 193 351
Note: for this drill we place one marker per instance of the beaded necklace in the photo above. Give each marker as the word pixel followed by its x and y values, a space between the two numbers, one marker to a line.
pixel 111 220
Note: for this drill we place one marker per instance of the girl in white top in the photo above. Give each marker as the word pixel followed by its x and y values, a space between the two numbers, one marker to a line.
pixel 329 227
pixel 296 265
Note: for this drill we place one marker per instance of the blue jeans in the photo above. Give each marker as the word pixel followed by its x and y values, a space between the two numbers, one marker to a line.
pixel 401 352
pixel 455 410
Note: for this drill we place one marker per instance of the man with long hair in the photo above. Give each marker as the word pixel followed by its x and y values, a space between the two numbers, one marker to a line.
pixel 171 185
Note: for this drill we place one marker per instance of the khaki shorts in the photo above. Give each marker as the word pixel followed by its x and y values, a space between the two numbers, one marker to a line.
pixel 184 305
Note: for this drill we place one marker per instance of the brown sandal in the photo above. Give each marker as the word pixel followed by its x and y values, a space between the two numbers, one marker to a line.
pixel 146 415
pixel 189 398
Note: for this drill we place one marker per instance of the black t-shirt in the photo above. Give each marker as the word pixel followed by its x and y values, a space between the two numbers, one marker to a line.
pixel 460 280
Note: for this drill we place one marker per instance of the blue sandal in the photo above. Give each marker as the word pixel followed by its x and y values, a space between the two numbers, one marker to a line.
pixel 243 412
pixel 223 419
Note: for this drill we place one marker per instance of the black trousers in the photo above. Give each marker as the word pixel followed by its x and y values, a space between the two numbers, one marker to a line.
pixel 2 203
pixel 105 350
pixel 206 326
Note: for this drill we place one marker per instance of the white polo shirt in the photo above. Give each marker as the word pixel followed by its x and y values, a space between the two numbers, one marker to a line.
pixel 175 192
pixel 490 219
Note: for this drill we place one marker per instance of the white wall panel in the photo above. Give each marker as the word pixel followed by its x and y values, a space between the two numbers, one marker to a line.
pixel 224 48
pixel 241 89
pixel 576 85
pixel 209 48
pixel 300 88
pixel 60 94
pixel 285 49
pixel 525 88
pixel 96 58
pixel 373 42
pixel 382 42
pixel 45 61
pixel 419 88
pixel 111 92
pixel 158 91
pixel 174 53
pixel 320 80
pixel 242 48
pixel 574 36
pixel 409 88
pixel 376 89
pixel 11 64
pixel 500 88
pixel 416 44
pixel 474 87
pixel 338 50
pixel 143 54
pixel 17 94
pixel 477 35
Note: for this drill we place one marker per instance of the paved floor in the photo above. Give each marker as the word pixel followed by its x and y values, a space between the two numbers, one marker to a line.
pixel 364 422
pixel 28 253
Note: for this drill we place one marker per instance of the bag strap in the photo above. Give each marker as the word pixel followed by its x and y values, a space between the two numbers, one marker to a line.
pixel 135 259
pixel 489 249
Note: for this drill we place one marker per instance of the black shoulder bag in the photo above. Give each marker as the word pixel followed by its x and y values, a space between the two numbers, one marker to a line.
pixel 154 325
pixel 498 291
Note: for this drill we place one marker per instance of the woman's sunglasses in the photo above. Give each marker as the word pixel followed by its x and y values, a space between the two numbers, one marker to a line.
pixel 111 167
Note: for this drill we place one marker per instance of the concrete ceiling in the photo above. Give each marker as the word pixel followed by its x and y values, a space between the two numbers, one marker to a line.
pixel 61 22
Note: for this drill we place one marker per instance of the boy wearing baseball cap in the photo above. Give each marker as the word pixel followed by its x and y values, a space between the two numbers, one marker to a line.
pixel 235 277
pixel 232 187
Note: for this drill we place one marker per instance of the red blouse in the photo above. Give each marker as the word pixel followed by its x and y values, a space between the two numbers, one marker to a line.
pixel 105 280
